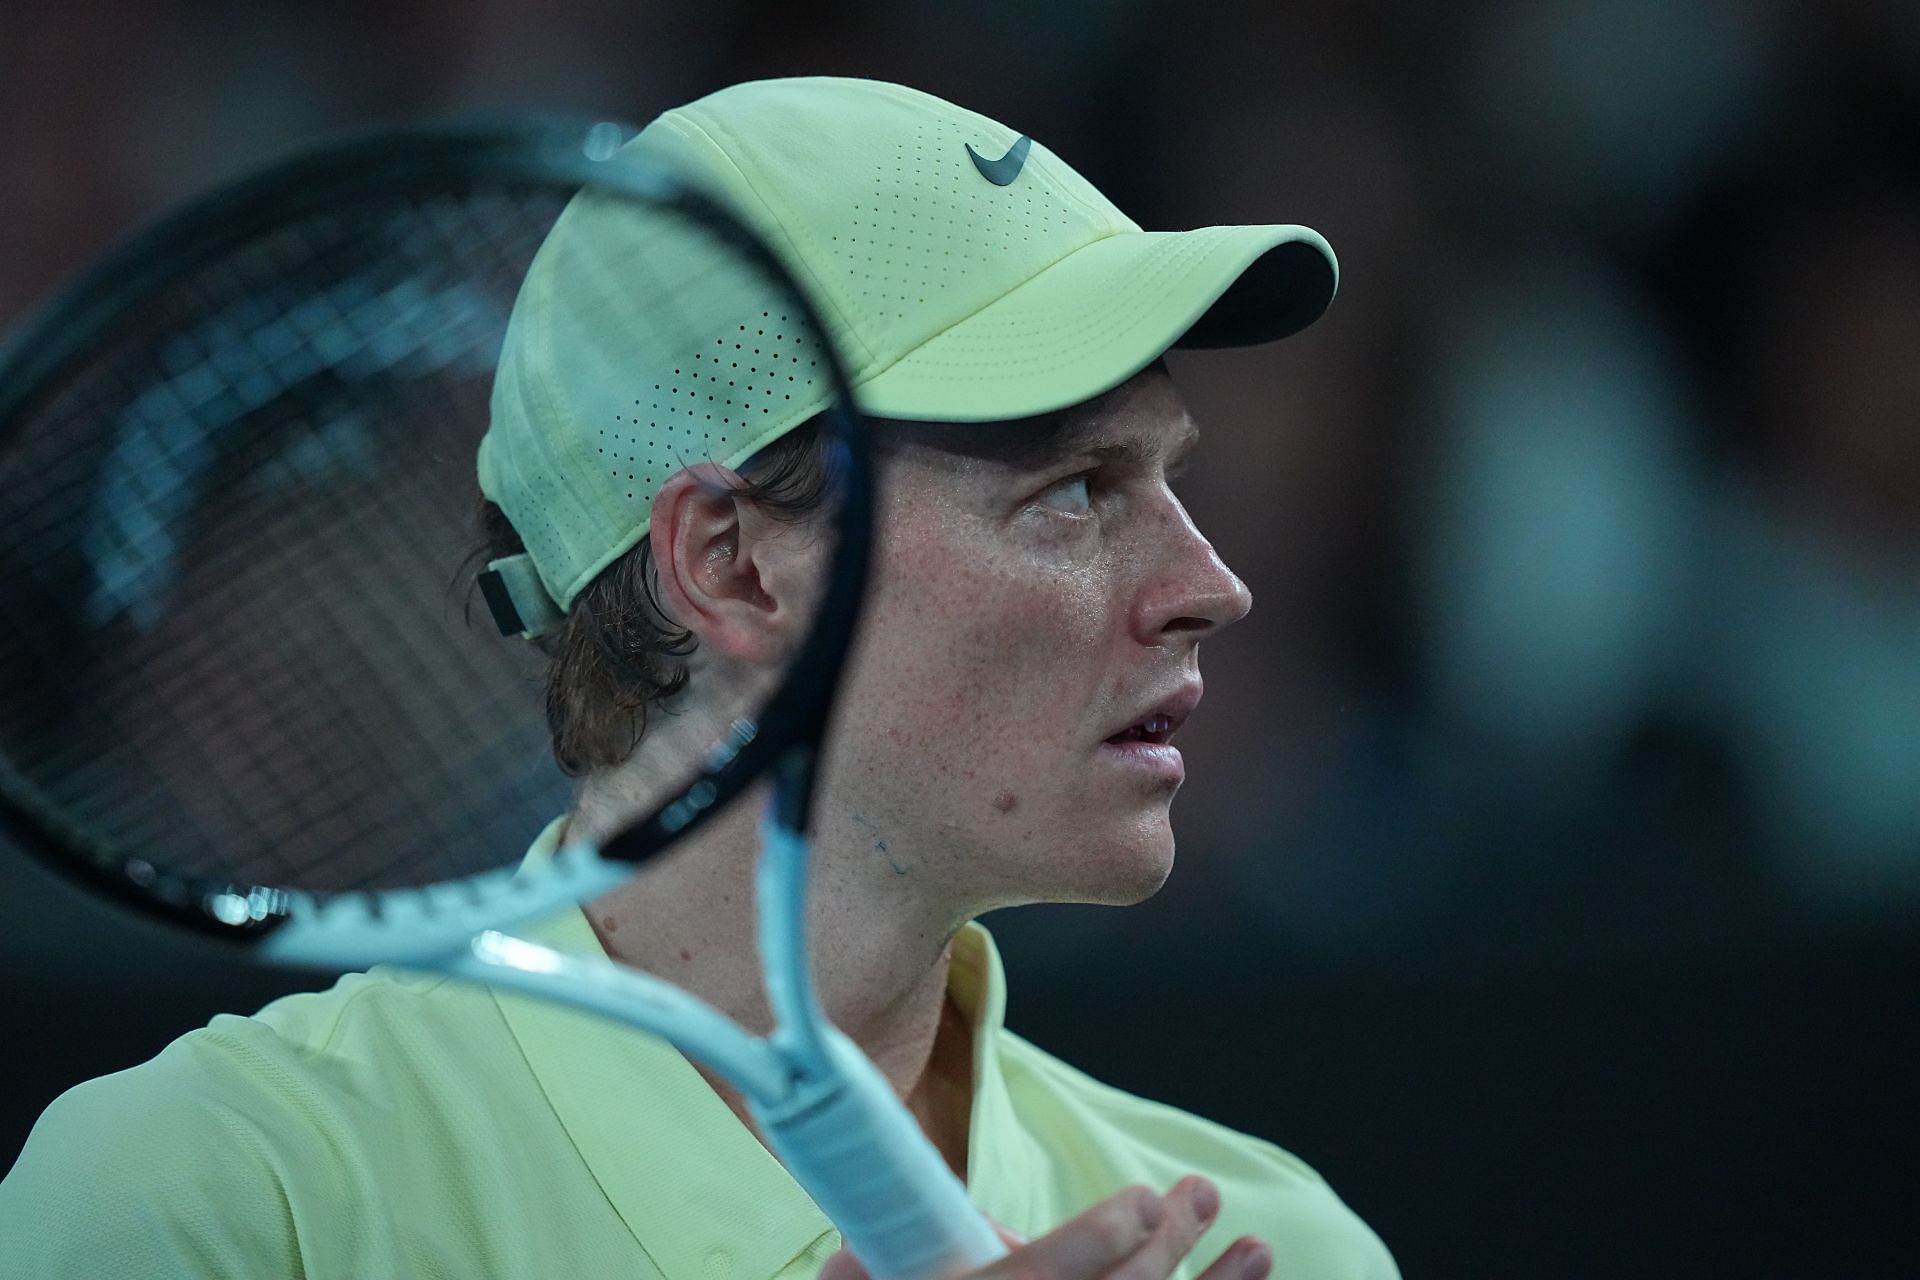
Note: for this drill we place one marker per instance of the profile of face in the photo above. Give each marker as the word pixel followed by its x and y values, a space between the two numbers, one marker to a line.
pixel 1028 646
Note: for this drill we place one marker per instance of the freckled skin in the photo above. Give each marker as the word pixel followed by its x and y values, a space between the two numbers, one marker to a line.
pixel 1010 628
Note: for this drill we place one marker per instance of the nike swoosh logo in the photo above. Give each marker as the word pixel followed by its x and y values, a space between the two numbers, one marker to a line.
pixel 1003 171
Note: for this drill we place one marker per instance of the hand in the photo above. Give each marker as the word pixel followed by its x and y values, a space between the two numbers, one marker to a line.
pixel 1131 1235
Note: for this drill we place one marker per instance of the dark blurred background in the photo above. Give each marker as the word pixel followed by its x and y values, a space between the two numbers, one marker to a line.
pixel 1550 862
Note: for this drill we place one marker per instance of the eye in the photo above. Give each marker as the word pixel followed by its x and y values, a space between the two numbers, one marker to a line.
pixel 1072 496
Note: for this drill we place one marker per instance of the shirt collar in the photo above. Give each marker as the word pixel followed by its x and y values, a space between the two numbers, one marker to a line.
pixel 702 1197
pixel 1001 1155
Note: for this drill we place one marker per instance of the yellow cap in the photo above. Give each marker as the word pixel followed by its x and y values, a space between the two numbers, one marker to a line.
pixel 964 272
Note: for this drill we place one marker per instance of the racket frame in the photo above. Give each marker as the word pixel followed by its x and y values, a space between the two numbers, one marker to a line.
pixel 527 151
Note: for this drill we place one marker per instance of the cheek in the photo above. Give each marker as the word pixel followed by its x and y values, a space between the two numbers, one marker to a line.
pixel 980 663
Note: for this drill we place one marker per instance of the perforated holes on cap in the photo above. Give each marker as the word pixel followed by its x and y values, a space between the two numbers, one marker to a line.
pixel 714 401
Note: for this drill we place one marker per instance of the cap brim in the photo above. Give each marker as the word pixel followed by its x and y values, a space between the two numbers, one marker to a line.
pixel 1103 313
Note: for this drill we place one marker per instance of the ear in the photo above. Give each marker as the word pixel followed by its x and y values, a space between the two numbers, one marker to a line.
pixel 713 557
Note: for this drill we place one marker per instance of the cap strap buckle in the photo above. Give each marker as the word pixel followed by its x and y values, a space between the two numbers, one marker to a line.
pixel 518 599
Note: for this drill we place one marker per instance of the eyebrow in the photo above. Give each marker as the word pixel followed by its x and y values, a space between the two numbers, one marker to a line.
pixel 1130 450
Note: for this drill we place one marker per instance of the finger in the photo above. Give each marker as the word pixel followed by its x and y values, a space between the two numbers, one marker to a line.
pixel 1192 1205
pixel 1007 1237
pixel 1248 1258
pixel 843 1266
pixel 1089 1246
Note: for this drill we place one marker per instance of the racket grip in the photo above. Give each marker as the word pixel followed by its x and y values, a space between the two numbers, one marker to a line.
pixel 859 1153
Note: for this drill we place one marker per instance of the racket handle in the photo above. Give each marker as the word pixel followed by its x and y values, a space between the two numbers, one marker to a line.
pixel 847 1139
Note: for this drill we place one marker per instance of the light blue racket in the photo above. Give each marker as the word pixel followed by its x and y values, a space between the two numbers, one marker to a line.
pixel 236 469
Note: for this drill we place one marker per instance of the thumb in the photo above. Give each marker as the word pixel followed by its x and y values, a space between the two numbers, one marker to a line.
pixel 843 1266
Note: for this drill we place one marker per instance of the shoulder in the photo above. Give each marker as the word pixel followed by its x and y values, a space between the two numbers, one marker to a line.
pixel 161 1170
pixel 1116 1138
pixel 222 1154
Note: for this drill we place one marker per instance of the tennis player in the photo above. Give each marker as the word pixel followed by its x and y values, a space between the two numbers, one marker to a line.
pixel 1003 736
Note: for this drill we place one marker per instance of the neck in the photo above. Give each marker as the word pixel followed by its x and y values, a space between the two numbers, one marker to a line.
pixel 880 957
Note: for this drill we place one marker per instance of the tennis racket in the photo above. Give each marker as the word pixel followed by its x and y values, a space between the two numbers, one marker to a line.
pixel 237 691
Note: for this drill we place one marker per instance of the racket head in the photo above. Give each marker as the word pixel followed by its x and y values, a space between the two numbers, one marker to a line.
pixel 237 467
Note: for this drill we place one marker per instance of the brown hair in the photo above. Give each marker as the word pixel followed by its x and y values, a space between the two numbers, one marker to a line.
pixel 616 654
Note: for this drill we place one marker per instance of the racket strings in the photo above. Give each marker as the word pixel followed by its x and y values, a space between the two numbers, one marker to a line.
pixel 236 564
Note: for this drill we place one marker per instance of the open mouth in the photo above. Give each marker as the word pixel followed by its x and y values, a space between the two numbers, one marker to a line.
pixel 1155 729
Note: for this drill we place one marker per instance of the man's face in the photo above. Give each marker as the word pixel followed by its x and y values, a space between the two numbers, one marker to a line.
pixel 1030 638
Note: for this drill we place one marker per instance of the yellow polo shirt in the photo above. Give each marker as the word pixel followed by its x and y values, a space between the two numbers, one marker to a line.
pixel 400 1125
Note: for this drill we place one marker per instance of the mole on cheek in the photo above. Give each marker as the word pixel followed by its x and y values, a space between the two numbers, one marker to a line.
pixel 1005 801
pixel 685 954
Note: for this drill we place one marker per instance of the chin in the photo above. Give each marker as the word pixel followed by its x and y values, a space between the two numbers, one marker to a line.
pixel 1118 863
pixel 1125 873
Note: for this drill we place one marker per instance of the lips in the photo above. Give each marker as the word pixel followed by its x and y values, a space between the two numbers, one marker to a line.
pixel 1160 720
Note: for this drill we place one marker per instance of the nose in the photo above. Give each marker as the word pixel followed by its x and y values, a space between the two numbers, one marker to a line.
pixel 1189 593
